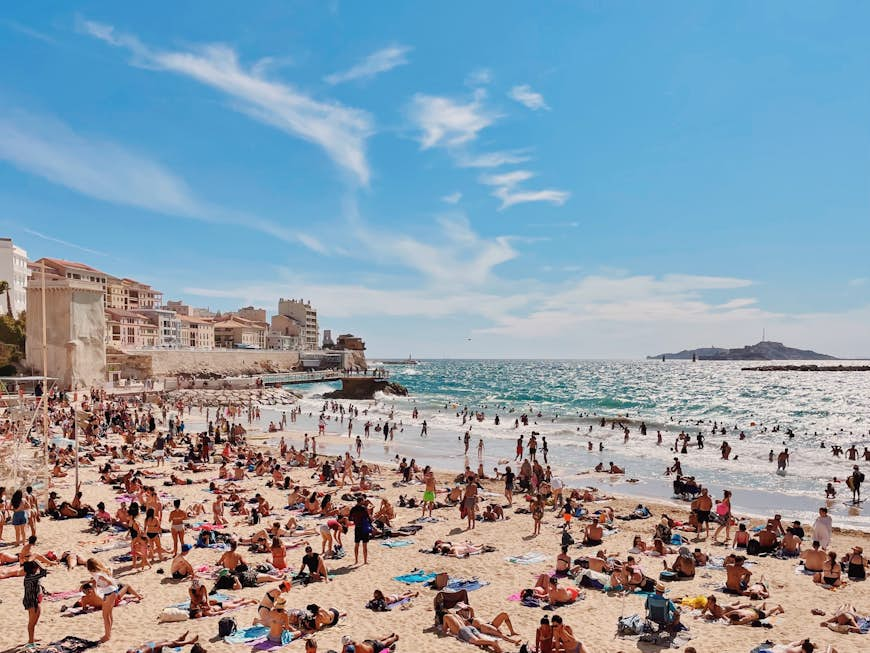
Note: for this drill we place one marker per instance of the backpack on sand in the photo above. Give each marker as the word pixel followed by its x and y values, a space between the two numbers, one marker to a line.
pixel 226 626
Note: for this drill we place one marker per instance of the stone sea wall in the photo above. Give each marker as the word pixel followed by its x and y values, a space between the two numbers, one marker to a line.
pixel 224 397
pixel 156 364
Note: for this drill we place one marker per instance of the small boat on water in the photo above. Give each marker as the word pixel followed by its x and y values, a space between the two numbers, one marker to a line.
pixel 407 361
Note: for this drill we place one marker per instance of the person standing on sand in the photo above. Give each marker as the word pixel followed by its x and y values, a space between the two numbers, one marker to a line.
pixel 509 485
pixel 823 528
pixel 429 492
pixel 723 516
pixel 480 448
pixel 702 512
pixel 33 573
pixel 469 502
pixel 362 531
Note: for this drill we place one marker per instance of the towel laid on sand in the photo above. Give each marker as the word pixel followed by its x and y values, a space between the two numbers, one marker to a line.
pixel 530 558
pixel 418 576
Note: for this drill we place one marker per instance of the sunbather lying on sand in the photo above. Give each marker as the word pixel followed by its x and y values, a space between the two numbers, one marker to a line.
pixel 459 549
pixel 547 588
pixel 159 647
pixel 844 620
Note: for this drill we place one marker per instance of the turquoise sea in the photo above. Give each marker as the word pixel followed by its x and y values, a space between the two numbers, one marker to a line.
pixel 819 408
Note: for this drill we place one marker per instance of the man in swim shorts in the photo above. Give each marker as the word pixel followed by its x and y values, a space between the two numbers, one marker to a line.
pixel 429 492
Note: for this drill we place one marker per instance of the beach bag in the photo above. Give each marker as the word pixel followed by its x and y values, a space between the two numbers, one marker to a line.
pixel 171 615
pixel 440 581
pixel 226 626
pixel 567 540
pixel 630 625
pixel 668 576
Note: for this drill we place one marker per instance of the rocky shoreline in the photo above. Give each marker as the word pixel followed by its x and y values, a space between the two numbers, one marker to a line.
pixel 239 396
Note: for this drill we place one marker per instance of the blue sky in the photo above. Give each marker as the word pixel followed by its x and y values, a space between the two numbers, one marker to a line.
pixel 578 179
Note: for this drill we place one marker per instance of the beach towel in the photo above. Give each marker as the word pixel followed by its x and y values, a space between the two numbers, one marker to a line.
pixel 266 645
pixel 248 635
pixel 527 558
pixel 124 557
pixel 400 603
pixel 68 644
pixel 62 596
pixel 111 547
pixel 418 576
pixel 456 584
pixel 396 543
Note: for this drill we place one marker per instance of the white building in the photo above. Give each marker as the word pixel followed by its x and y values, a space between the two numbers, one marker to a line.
pixel 306 317
pixel 13 270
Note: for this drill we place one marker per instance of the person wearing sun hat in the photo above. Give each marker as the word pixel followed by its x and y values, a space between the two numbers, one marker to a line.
pixel 856 564
pixel 278 623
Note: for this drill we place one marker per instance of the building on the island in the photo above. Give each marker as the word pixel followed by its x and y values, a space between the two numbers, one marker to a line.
pixel 327 339
pixel 13 270
pixel 75 326
pixel 197 332
pixel 183 309
pixel 233 332
pixel 168 325
pixel 306 317
pixel 350 342
pixel 130 330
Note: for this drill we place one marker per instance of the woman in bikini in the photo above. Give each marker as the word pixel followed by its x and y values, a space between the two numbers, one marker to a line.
pixel 268 600
pixel 831 574
pixel 153 530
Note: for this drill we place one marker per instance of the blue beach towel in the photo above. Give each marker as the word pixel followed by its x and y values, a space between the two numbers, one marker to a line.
pixel 415 577
pixel 217 597
pixel 469 585
pixel 247 635
pixel 396 543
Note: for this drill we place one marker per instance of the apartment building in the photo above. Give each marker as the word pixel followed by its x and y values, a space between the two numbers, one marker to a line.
pixel 13 270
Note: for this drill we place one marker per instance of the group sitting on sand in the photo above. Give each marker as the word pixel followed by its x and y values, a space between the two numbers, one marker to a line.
pixel 268 547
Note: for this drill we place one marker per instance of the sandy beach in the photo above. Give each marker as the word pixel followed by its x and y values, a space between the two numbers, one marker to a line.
pixel 593 618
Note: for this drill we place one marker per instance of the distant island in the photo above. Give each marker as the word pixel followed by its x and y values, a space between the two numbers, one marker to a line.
pixel 763 351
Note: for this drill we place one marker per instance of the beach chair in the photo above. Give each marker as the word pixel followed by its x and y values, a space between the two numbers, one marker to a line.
pixel 448 600
pixel 661 615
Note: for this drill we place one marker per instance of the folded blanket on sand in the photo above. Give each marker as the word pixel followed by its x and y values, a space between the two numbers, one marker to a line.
pixel 527 558
pixel 396 543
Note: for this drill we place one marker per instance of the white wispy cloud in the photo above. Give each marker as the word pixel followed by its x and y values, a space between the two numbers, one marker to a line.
pixel 505 189
pixel 452 198
pixel 341 131
pixel 106 171
pixel 527 97
pixel 491 159
pixel 28 31
pixel 65 243
pixel 374 64
pixel 445 122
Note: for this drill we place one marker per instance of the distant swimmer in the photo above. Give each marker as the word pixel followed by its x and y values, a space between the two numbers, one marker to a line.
pixel 616 470
pixel 854 483
pixel 782 460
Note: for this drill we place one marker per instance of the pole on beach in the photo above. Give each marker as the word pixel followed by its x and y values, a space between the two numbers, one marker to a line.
pixel 44 375
pixel 44 397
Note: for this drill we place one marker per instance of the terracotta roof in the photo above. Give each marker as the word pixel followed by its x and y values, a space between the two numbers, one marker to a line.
pixel 120 312
pixel 67 264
